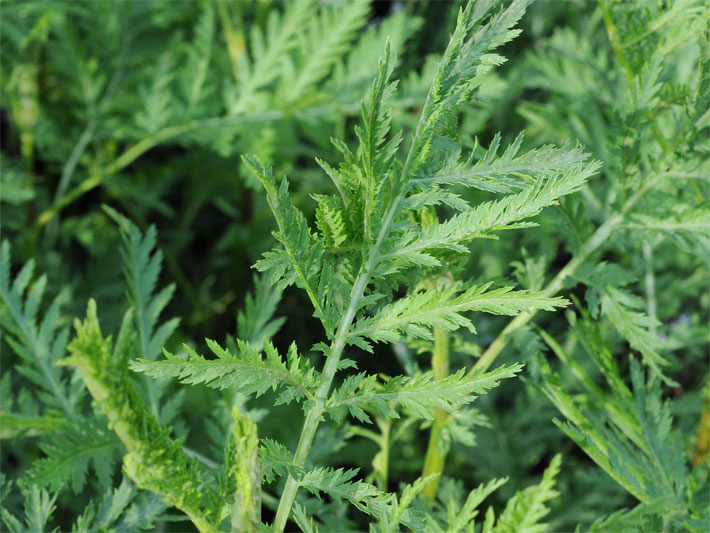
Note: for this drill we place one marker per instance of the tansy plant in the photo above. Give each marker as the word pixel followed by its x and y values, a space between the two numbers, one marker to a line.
pixel 387 262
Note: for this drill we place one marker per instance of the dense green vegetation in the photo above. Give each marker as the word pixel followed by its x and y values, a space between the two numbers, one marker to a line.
pixel 341 266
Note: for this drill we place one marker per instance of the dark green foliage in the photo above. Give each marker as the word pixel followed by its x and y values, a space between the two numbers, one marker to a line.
pixel 429 266
pixel 69 452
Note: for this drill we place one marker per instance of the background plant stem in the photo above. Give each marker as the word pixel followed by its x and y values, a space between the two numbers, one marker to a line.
pixel 702 445
pixel 650 284
pixel 436 449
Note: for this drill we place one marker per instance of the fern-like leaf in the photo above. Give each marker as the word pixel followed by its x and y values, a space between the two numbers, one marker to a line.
pixel 338 484
pixel 248 372
pixel 268 51
pixel 70 450
pixel 524 511
pixel 375 155
pixel 142 267
pixel 420 394
pixel 351 78
pixel 502 173
pixel 416 314
pixel 122 510
pixel 39 343
pixel 324 42
pixel 275 460
pixel 158 111
pixel 646 458
pixel 39 506
pixel 395 509
pixel 466 58
pixel 300 259
pixel 255 322
pixel 622 309
pixel 416 247
pixel 198 58
pixel 469 510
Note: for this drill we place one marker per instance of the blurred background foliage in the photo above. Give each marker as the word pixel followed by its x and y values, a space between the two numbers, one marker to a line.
pixel 147 107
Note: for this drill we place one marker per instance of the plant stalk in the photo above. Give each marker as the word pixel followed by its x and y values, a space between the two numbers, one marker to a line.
pixel 702 445
pixel 246 509
pixel 234 39
pixel 437 448
pixel 331 365
pixel 616 42
pixel 650 283
pixel 93 123
pixel 381 462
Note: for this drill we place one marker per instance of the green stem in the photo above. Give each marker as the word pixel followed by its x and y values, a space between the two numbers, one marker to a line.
pixel 91 126
pixel 313 418
pixel 234 39
pixel 85 186
pixel 650 283
pixel 331 364
pixel 246 510
pixel 382 467
pixel 702 444
pixel 616 42
pixel 436 449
